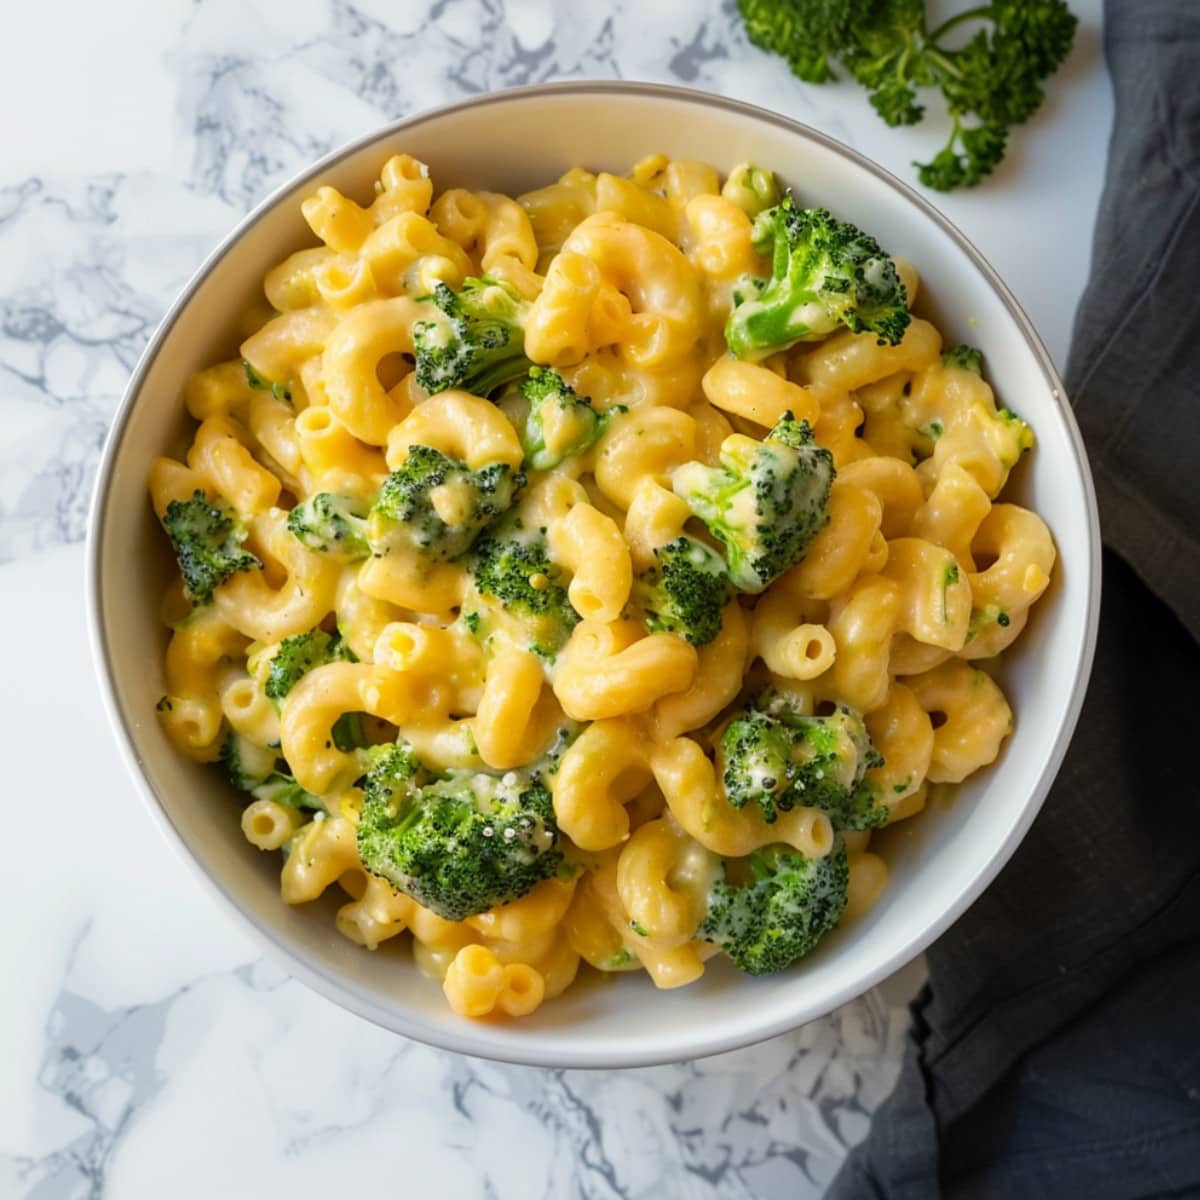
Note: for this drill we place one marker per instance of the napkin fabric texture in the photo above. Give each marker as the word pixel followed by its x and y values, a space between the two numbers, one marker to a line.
pixel 1055 1051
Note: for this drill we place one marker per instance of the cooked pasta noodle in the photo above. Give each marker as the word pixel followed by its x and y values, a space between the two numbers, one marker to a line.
pixel 547 629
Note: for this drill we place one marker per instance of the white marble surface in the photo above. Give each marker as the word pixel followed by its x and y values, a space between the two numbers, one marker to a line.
pixel 145 1047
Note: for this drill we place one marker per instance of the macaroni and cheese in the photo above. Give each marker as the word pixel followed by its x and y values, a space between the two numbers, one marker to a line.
pixel 586 576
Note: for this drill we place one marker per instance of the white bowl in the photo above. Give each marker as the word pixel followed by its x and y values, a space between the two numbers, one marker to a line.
pixel 940 861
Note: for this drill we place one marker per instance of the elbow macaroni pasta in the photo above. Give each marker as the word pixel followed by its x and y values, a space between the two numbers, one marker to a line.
pixel 917 580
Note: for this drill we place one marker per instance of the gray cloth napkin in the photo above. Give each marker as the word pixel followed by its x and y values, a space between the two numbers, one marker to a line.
pixel 1056 1048
pixel 1134 371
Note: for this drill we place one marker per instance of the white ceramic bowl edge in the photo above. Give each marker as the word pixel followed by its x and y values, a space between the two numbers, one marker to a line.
pixel 941 861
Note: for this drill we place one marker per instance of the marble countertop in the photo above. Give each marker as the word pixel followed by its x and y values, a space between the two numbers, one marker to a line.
pixel 147 1048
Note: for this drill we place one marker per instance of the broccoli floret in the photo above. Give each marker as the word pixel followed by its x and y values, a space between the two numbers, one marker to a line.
pixel 561 422
pixel 824 273
pixel 511 564
pixel 564 739
pixel 685 591
pixel 775 757
pixel 460 843
pixel 864 807
pixel 964 356
pixel 299 654
pixel 332 524
pixel 207 536
pixel 438 505
pixel 782 910
pixel 766 501
pixel 477 344
pixel 260 383
pixel 244 765
pixel 754 759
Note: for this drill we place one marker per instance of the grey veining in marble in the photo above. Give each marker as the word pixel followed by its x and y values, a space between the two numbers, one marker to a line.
pixel 774 1120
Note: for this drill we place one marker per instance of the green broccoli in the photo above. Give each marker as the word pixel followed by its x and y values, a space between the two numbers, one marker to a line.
pixel 778 758
pixel 824 273
pixel 623 960
pixel 766 501
pixel 1014 437
pixel 982 620
pixel 332 524
pixel 933 429
pixel 299 654
pixel 478 341
pixel 964 356
pixel 207 536
pixel 264 775
pixel 782 910
pixel 437 504
pixel 950 577
pixel 754 761
pixel 685 591
pixel 989 84
pixel 561 422
pixel 511 564
pixel 431 502
pixel 564 739
pixel 260 383
pixel 460 843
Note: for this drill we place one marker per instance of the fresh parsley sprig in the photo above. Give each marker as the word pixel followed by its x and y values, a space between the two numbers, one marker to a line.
pixel 990 83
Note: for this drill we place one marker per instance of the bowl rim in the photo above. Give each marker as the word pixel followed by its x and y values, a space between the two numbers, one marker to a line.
pixel 474 1039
